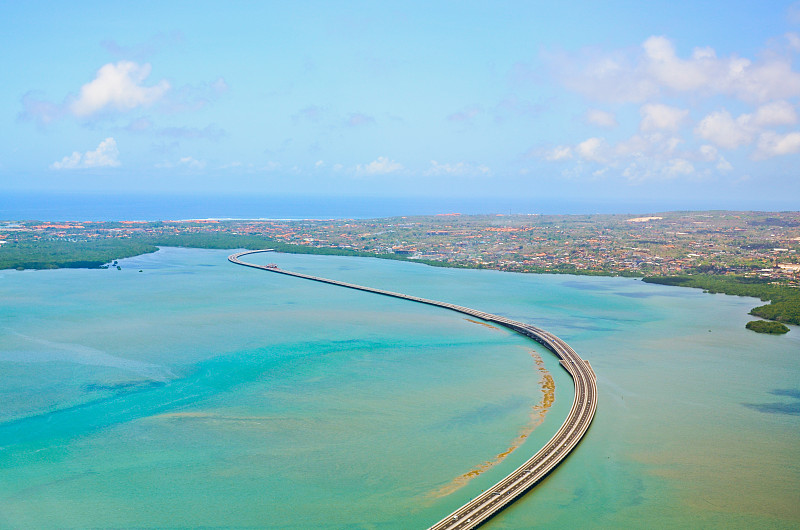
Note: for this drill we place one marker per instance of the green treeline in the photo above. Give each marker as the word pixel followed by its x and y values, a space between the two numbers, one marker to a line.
pixel 59 254
pixel 762 326
pixel 784 301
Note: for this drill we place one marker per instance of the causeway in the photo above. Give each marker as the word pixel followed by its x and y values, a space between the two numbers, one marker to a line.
pixel 494 499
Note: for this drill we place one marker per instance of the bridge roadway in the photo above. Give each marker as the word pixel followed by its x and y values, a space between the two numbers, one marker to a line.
pixel 494 499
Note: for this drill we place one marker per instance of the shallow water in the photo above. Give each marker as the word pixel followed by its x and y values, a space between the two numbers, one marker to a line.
pixel 200 393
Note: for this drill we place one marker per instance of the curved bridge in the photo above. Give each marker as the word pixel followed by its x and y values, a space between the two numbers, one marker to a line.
pixel 494 499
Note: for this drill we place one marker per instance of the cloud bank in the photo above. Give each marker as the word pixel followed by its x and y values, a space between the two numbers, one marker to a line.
pixel 106 155
pixel 683 104
pixel 118 87
pixel 380 166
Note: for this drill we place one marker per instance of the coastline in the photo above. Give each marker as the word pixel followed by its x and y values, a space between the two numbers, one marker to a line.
pixel 694 281
pixel 737 253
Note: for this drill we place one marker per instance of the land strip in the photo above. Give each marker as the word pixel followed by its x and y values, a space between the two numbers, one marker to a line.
pixel 741 253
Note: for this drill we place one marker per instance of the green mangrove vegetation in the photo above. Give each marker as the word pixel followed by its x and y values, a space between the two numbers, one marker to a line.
pixel 764 326
pixel 784 301
pixel 40 254
pixel 59 254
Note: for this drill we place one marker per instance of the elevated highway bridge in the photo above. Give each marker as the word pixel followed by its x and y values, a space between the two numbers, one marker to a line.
pixel 584 405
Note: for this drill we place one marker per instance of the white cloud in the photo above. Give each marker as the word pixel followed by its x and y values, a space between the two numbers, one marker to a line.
pixel 601 118
pixel 641 157
pixel 73 161
pixel 636 75
pixel 773 144
pixel 118 87
pixel 668 70
pixel 723 165
pixel 186 162
pixel 775 113
pixel 561 152
pixel 721 129
pixel 459 168
pixel 605 77
pixel 104 156
pixel 381 166
pixel 709 153
pixel 670 142
pixel 639 170
pixel 655 144
pixel 773 79
pixel 592 149
pixel 656 116
pixel 679 166
pixel 636 145
pixel 192 163
pixel 642 169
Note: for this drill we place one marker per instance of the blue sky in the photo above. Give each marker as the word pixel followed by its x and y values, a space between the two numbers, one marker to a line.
pixel 635 101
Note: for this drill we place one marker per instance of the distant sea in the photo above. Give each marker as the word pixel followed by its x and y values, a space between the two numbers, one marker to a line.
pixel 47 206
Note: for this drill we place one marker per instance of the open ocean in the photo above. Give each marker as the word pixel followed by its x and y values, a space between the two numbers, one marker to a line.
pixel 48 206
pixel 184 391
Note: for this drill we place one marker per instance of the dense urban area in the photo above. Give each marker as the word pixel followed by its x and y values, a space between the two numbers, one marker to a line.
pixel 712 250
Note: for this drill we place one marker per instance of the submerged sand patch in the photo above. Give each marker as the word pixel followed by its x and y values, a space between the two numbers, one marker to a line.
pixel 538 413
pixel 211 416
pixel 481 323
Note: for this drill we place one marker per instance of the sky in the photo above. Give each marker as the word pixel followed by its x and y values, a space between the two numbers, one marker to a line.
pixel 603 101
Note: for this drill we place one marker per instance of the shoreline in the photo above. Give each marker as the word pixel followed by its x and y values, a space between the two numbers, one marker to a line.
pixel 698 281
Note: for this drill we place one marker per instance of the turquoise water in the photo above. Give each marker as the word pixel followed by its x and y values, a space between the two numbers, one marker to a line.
pixel 200 393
